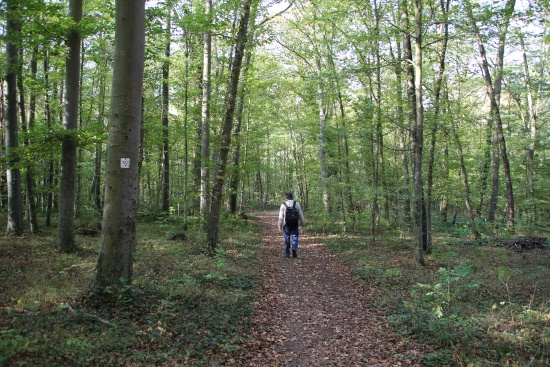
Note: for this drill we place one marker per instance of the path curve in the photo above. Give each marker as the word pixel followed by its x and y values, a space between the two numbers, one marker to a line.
pixel 311 312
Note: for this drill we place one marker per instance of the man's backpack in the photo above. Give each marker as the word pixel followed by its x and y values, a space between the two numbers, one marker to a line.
pixel 292 217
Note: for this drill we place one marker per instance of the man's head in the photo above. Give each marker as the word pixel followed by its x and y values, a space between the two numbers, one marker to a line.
pixel 288 195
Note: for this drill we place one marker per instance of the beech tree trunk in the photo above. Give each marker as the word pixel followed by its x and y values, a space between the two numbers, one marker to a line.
pixel 531 130
pixel 411 99
pixel 467 200
pixel 205 120
pixel 437 110
pixel 118 231
pixel 418 138
pixel 48 113
pixel 13 174
pixel 165 111
pixel 493 92
pixel 31 199
pixel 217 190
pixel 65 228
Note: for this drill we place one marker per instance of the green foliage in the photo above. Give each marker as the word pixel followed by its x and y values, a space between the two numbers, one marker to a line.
pixel 479 304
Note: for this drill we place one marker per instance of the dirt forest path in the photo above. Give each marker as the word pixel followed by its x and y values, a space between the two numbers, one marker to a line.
pixel 311 312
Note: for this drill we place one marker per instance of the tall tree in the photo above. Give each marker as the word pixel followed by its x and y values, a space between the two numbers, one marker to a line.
pixel 65 234
pixel 13 60
pixel 493 92
pixel 444 34
pixel 29 177
pixel 418 137
pixel 205 117
pixel 118 231
pixel 217 190
pixel 165 113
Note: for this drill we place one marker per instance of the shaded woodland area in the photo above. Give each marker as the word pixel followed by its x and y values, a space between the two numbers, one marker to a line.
pixel 137 135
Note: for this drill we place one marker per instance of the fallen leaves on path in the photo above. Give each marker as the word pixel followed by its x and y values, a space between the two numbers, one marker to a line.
pixel 311 312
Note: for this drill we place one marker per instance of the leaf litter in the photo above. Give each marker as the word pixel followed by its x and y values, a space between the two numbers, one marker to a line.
pixel 312 312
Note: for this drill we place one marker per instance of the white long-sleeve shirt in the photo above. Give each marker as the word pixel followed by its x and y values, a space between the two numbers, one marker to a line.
pixel 282 213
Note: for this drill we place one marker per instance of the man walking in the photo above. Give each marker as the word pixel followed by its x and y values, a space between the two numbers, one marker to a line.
pixel 290 217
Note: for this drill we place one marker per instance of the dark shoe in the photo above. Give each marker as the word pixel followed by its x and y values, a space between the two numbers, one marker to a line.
pixel 294 254
pixel 287 256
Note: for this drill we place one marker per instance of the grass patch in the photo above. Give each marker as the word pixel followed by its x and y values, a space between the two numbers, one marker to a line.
pixel 480 305
pixel 184 308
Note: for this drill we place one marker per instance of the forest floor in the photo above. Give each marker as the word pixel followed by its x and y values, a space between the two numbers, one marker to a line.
pixel 351 298
pixel 311 311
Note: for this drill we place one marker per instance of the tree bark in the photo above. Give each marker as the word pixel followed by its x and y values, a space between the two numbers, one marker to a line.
pixel 65 234
pixel 13 174
pixel 322 140
pixel 48 116
pixel 418 138
pixel 165 112
pixel 411 97
pixel 469 207
pixel 217 190
pixel 493 92
pixel 31 199
pixel 205 119
pixel 444 4
pixel 118 231
pixel 531 130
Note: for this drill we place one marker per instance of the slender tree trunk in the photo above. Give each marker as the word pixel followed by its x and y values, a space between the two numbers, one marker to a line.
pixel 165 113
pixel 411 97
pixel 205 120
pixel 65 234
pixel 493 91
pixel 13 174
pixel 236 161
pixel 444 208
pixel 185 137
pixel 418 137
pixel 98 153
pixel 217 191
pixel 532 133
pixel 322 142
pixel 471 214
pixel 31 199
pixel 118 231
pixel 437 110
pixel 48 116
pixel 235 177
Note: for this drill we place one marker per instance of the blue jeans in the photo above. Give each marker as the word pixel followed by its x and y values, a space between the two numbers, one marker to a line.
pixel 288 231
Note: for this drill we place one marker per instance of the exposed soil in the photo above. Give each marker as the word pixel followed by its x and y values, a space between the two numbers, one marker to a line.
pixel 312 312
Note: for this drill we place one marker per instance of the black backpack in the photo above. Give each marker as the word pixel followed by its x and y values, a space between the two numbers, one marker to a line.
pixel 292 218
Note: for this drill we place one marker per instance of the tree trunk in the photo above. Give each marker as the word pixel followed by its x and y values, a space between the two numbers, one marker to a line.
pixel 322 142
pixel 532 133
pixel 165 111
pixel 469 207
pixel 235 176
pixel 493 91
pixel 48 116
pixel 118 231
pixel 418 138
pixel 411 97
pixel 217 191
pixel 65 234
pixel 205 119
pixel 437 110
pixel 13 174
pixel 98 153
pixel 185 137
pixel 31 199
pixel 236 161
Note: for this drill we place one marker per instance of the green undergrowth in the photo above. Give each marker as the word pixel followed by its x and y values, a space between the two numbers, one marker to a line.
pixel 185 307
pixel 482 305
